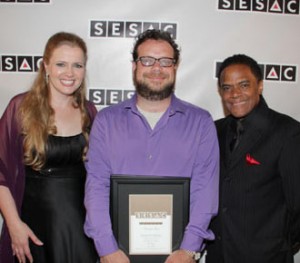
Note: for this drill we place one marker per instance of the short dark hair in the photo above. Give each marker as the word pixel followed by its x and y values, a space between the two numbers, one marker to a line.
pixel 243 60
pixel 155 34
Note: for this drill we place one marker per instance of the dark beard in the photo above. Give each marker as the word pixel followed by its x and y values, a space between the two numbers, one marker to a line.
pixel 145 91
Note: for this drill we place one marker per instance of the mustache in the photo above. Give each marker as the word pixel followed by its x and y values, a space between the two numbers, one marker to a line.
pixel 156 74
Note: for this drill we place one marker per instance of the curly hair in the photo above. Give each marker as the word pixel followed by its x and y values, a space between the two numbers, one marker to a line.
pixel 155 34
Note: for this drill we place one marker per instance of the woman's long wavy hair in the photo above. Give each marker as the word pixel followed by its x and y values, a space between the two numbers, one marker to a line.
pixel 36 113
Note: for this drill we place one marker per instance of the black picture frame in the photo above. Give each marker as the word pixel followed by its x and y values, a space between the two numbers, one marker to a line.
pixel 124 185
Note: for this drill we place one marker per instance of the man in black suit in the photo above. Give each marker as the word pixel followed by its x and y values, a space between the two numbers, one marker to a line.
pixel 259 208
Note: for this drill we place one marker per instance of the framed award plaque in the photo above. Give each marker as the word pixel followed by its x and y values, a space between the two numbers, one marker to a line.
pixel 149 215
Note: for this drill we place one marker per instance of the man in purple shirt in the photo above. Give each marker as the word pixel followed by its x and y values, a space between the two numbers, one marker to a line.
pixel 153 134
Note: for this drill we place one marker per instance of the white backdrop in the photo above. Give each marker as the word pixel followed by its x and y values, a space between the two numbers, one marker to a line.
pixel 207 31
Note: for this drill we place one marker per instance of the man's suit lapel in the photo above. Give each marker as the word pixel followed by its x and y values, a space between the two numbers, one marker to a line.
pixel 249 141
pixel 224 144
pixel 257 127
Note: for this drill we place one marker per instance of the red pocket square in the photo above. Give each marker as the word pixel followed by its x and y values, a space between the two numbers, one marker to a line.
pixel 251 161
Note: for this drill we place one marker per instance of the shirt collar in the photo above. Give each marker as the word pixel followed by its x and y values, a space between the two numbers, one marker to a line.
pixel 176 105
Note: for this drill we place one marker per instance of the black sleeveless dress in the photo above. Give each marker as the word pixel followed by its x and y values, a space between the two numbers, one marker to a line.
pixel 53 204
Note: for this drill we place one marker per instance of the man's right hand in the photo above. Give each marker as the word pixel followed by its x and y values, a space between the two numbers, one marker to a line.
pixel 116 257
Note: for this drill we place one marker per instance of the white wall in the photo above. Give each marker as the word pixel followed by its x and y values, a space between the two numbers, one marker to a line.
pixel 205 31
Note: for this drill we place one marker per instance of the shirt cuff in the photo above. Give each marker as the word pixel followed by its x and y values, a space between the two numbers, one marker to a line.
pixel 106 245
pixel 192 242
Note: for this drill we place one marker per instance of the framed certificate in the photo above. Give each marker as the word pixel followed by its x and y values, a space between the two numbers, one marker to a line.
pixel 149 215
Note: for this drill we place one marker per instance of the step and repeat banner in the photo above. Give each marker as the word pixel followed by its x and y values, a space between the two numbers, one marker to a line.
pixel 207 31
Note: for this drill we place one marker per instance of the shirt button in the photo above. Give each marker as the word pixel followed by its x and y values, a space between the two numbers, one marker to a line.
pixel 149 156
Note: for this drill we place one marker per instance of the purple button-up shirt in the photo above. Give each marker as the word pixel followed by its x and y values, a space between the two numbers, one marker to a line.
pixel 183 143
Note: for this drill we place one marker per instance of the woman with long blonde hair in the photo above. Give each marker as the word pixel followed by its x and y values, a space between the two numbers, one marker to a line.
pixel 44 138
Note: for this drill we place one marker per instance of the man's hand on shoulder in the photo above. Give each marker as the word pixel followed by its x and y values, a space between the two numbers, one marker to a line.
pixel 180 256
pixel 116 257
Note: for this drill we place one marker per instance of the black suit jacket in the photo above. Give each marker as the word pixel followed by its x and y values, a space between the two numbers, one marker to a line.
pixel 259 209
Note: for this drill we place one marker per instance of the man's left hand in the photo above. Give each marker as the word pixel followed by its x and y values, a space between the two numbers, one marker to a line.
pixel 180 256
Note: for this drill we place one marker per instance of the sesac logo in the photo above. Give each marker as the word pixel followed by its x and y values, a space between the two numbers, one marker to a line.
pixel 280 73
pixel 21 63
pixel 24 1
pixel 126 29
pixel 274 72
pixel 106 97
pixel 267 6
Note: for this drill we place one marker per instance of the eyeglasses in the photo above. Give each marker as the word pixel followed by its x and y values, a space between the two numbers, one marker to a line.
pixel 150 61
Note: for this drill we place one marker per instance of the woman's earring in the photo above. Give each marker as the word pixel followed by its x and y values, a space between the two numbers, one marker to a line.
pixel 47 78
